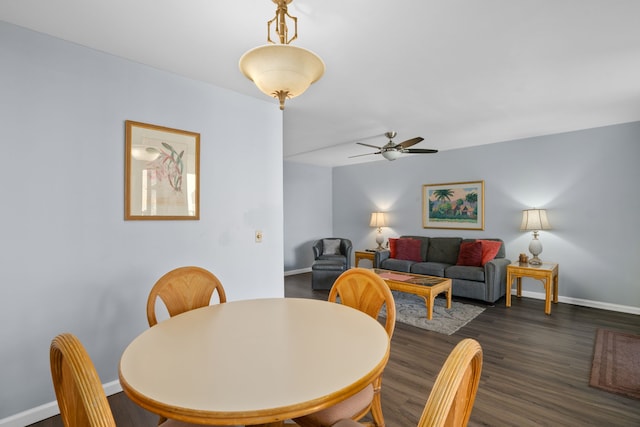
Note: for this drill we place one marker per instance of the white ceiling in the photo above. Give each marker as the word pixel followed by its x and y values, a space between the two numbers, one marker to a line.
pixel 456 72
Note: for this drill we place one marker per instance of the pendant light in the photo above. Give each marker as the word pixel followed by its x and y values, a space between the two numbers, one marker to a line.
pixel 281 70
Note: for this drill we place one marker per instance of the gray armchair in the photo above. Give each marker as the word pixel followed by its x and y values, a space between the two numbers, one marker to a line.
pixel 332 256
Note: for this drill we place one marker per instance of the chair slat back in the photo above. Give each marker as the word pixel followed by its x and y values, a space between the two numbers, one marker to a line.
pixel 451 399
pixel 184 289
pixel 78 388
pixel 364 290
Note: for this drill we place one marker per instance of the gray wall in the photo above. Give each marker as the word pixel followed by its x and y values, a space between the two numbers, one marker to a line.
pixel 307 212
pixel 68 260
pixel 587 180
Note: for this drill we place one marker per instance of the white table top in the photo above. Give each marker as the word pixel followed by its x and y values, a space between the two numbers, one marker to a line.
pixel 253 361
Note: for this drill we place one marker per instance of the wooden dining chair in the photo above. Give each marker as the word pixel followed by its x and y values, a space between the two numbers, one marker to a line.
pixel 81 398
pixel 363 290
pixel 184 289
pixel 453 394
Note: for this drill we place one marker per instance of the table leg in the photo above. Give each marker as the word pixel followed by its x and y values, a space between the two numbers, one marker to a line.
pixel 508 290
pixel 428 302
pixel 555 288
pixel 548 283
pixel 449 298
pixel 430 306
pixel 519 286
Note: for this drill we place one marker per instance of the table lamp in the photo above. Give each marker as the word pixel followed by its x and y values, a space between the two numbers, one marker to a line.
pixel 535 220
pixel 378 220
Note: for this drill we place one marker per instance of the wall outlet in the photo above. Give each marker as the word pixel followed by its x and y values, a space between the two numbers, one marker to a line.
pixel 258 236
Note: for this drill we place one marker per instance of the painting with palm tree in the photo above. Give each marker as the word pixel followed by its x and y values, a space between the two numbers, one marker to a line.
pixel 458 205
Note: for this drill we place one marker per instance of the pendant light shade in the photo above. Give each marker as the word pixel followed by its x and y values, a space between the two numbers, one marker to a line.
pixel 281 70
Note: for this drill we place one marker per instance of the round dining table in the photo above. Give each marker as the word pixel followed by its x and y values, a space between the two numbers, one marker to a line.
pixel 253 362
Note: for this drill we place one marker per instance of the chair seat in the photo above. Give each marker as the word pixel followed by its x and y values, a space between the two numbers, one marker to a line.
pixel 328 264
pixel 345 409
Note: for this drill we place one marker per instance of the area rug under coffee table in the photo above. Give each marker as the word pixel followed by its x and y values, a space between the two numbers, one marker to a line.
pixel 410 309
pixel 616 363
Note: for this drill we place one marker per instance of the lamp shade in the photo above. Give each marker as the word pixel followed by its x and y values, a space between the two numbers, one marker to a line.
pixel 391 154
pixel 281 70
pixel 378 219
pixel 534 219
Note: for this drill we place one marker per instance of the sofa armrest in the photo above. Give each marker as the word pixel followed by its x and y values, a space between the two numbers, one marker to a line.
pixel 495 277
pixel 380 256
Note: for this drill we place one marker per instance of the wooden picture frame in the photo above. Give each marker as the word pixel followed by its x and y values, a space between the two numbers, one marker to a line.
pixel 455 205
pixel 162 173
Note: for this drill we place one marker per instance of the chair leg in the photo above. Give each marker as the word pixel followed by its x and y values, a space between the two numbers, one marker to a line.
pixel 376 404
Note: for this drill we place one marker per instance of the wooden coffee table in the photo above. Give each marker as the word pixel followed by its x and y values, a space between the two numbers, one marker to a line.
pixel 427 287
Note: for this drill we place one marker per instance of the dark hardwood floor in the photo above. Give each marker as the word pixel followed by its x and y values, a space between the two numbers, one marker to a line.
pixel 535 372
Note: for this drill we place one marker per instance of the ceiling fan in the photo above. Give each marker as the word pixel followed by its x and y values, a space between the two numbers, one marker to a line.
pixel 391 151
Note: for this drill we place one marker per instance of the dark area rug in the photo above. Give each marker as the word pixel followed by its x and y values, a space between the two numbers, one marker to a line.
pixel 616 363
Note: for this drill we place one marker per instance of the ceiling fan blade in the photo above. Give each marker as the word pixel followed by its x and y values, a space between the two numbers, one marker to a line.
pixel 419 150
pixel 368 154
pixel 369 145
pixel 410 142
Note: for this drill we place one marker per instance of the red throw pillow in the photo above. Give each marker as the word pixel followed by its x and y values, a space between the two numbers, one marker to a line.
pixel 408 249
pixel 490 249
pixel 392 247
pixel 470 254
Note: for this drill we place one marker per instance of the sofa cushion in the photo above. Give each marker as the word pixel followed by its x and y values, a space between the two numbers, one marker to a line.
pixel 408 249
pixel 470 254
pixel 490 249
pixel 429 268
pixel 465 273
pixel 397 265
pixel 330 246
pixel 444 249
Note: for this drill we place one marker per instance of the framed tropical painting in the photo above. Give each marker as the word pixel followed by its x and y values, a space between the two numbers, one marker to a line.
pixel 455 205
pixel 162 173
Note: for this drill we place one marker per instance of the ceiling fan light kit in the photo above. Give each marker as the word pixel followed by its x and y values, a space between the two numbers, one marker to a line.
pixel 281 70
pixel 391 154
pixel 391 151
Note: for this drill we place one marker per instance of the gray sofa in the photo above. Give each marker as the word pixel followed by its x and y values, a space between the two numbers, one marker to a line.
pixel 438 258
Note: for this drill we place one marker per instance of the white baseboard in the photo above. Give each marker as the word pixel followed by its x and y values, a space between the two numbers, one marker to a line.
pixel 299 271
pixel 582 302
pixel 48 410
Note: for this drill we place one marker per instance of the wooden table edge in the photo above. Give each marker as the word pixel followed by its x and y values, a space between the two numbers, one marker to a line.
pixel 266 417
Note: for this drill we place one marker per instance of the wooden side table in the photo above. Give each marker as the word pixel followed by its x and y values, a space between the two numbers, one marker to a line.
pixel 360 255
pixel 547 273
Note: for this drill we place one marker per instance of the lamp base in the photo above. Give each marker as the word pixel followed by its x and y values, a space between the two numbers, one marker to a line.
pixel 379 240
pixel 535 247
pixel 535 261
